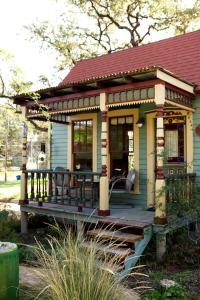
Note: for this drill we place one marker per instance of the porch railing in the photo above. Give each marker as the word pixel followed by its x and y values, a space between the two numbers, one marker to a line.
pixel 180 191
pixel 79 189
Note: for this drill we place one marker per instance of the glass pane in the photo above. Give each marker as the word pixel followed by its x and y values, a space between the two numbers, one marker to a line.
pixel 129 120
pixel 89 136
pixel 76 135
pixel 121 120
pixel 83 161
pixel 171 143
pixel 113 121
pixel 82 150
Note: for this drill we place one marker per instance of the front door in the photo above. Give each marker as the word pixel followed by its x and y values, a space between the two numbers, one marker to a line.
pixel 121 145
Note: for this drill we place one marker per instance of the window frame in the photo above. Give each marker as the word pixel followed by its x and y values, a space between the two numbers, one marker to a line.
pixel 73 141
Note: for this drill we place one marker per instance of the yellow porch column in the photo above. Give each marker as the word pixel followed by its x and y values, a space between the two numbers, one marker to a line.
pixel 23 183
pixel 104 180
pixel 160 201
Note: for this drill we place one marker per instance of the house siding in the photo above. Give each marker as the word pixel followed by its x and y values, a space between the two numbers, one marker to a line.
pixel 196 122
pixel 59 149
pixel 59 145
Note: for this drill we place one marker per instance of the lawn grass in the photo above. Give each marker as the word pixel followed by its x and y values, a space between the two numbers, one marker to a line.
pixel 9 190
pixel 11 175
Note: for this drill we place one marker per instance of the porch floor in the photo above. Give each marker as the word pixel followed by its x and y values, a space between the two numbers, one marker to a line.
pixel 118 213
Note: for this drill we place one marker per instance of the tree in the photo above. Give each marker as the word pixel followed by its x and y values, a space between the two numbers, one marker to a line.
pixel 12 82
pixel 92 27
pixel 10 135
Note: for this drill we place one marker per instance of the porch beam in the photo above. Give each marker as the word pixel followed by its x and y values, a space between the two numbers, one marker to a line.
pixel 104 180
pixel 172 79
pixel 160 197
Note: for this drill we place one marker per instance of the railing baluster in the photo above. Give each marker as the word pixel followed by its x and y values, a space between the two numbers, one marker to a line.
pixel 56 188
pixel 43 186
pixel 50 187
pixel 32 186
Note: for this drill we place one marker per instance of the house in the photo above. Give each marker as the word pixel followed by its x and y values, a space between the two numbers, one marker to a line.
pixel 134 109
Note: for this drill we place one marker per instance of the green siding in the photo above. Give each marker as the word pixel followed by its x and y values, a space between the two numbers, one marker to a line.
pixel 59 145
pixel 59 148
pixel 196 122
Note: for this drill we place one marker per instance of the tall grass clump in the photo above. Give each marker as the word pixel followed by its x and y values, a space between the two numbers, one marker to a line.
pixel 73 272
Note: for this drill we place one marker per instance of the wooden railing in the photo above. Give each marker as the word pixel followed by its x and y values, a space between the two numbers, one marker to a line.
pixel 79 189
pixel 180 189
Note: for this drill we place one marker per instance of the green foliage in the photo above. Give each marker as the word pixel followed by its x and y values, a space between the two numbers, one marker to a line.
pixel 182 277
pixel 12 80
pixel 92 27
pixel 152 295
pixel 175 292
pixel 9 226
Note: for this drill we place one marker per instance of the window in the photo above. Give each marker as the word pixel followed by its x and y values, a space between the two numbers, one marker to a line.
pixel 82 145
pixel 174 142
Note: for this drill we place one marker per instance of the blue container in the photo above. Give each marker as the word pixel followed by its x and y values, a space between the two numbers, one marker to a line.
pixel 18 177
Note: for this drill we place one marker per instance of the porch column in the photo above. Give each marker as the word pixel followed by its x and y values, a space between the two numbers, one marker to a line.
pixel 23 185
pixel 160 212
pixel 104 180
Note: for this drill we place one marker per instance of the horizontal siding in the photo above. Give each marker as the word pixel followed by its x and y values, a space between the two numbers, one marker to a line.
pixel 59 145
pixel 196 154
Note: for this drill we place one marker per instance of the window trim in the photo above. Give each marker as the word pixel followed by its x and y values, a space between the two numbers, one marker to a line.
pixel 73 152
pixel 82 117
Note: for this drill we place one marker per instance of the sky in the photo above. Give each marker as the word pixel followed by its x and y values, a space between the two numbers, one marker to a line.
pixel 14 15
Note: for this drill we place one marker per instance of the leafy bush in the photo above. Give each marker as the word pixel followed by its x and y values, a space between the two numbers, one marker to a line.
pixel 9 227
pixel 175 292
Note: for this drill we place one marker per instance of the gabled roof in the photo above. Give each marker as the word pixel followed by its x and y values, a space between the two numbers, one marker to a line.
pixel 179 55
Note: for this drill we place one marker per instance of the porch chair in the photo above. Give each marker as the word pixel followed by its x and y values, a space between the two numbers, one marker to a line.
pixel 60 182
pixel 129 181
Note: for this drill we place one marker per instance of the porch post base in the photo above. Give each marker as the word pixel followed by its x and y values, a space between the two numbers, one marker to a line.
pixel 24 222
pixel 161 247
pixel 103 213
pixel 160 221
pixel 23 202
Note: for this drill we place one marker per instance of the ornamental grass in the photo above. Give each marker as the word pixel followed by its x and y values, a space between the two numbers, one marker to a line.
pixel 73 272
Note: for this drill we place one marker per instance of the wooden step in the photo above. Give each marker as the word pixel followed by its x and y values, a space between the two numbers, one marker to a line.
pixel 124 223
pixel 115 235
pixel 120 252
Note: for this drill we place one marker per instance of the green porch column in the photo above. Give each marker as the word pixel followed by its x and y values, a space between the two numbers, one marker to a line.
pixel 104 180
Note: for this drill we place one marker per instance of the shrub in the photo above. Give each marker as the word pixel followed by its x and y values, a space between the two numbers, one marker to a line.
pixel 175 292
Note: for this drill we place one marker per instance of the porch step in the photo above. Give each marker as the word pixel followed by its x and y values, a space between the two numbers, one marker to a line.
pixel 119 252
pixel 115 235
pixel 125 223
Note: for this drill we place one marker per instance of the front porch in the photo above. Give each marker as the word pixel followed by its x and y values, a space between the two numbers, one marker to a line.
pixel 102 130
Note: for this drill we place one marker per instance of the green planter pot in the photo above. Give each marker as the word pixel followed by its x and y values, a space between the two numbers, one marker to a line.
pixel 9 271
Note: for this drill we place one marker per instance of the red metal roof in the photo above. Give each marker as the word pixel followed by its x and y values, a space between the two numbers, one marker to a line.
pixel 179 55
